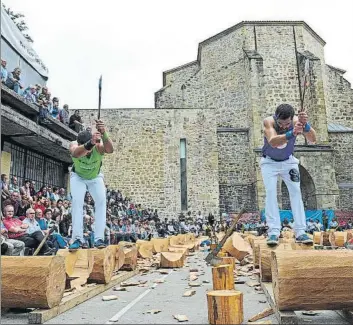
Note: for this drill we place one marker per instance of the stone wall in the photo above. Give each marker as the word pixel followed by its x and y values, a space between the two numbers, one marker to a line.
pixel 343 155
pixel 339 98
pixel 236 188
pixel 146 161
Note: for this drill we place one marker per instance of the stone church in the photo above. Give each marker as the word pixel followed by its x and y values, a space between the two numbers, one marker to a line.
pixel 199 147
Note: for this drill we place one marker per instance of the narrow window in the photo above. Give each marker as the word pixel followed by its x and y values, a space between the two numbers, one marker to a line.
pixel 183 179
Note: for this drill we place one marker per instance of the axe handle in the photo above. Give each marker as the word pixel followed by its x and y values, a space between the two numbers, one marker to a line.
pixel 41 244
pixel 226 236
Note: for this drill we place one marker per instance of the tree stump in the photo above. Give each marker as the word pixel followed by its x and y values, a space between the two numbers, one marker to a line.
pixel 172 260
pixel 118 252
pixel 225 307
pixel 184 251
pixel 338 238
pixel 317 237
pixel 32 282
pixel 326 276
pixel 103 265
pixel 78 266
pixel 223 277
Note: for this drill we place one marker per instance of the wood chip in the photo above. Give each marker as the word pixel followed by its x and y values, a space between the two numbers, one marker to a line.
pixel 129 284
pixel 193 277
pixel 91 285
pixel 194 270
pixel 119 289
pixel 152 311
pixel 164 272
pixel 108 298
pixel 189 293
pixel 181 318
pixel 253 283
pixel 159 281
pixel 262 301
pixel 310 313
pixel 267 312
pixel 143 281
pixel 194 284
pixel 205 281
pixel 263 322
pixel 239 281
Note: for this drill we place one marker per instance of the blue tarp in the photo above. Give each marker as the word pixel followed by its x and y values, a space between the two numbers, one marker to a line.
pixel 309 214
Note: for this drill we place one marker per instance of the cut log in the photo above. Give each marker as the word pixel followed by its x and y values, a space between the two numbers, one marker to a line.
pixel 288 234
pixel 222 254
pixel 237 246
pixel 180 247
pixel 349 235
pixel 118 252
pixel 160 244
pixel 325 240
pixel 172 260
pixel 325 275
pixel 78 266
pixel 256 251
pixel 223 277
pixel 144 249
pixel 228 260
pixel 32 282
pixel 338 238
pixel 103 265
pixel 265 259
pixel 317 237
pixel 225 307
pixel 184 251
pixel 130 261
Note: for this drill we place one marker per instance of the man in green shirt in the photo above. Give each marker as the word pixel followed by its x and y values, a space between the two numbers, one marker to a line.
pixel 87 155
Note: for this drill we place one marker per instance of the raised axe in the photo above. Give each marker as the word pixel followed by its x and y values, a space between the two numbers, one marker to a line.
pixel 212 257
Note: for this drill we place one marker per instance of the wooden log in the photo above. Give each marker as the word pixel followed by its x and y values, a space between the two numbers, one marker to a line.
pixel 103 265
pixel 325 240
pixel 118 252
pixel 130 261
pixel 32 281
pixel 317 238
pixel 338 238
pixel 182 247
pixel 160 244
pixel 265 259
pixel 172 260
pixel 349 235
pixel 182 250
pixel 223 277
pixel 78 266
pixel 256 251
pixel 324 274
pixel 228 260
pixel 225 307
pixel 237 246
pixel 144 249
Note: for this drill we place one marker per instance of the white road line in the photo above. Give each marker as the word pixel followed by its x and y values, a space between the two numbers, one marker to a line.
pixel 118 315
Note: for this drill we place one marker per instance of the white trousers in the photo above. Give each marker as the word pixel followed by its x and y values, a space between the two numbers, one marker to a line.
pixel 97 189
pixel 289 172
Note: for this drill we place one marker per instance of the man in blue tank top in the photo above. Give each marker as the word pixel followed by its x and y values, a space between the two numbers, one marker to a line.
pixel 281 131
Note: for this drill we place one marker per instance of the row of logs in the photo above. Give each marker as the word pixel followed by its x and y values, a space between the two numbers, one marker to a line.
pixel 40 281
pixel 304 278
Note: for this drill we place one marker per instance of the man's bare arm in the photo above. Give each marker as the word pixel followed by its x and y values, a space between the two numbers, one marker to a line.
pixel 271 135
pixel 310 136
pixel 77 151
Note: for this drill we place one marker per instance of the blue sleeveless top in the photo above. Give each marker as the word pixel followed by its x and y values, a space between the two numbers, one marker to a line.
pixel 279 153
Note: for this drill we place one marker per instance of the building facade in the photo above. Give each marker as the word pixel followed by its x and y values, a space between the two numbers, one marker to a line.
pixel 216 105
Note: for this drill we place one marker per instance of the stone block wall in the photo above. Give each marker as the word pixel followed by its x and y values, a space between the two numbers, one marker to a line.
pixel 339 98
pixel 343 155
pixel 236 186
pixel 146 161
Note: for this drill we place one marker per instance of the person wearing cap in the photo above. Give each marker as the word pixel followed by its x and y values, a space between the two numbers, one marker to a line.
pixel 87 155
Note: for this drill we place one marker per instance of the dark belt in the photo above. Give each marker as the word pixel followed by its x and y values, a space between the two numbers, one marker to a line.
pixel 278 160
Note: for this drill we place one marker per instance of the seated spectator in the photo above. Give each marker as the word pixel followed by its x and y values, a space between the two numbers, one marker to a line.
pixel 5 193
pixel 64 115
pixel 23 207
pixel 13 187
pixel 40 203
pixel 29 94
pixel 14 247
pixel 14 201
pixel 333 224
pixel 13 80
pixel 55 108
pixel 18 230
pixel 4 73
pixel 75 122
pixel 25 189
pixel 32 188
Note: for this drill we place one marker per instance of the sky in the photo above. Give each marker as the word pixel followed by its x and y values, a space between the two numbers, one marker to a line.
pixel 131 42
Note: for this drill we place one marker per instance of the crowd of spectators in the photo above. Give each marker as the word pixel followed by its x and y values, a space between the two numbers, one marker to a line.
pixel 40 96
pixel 29 213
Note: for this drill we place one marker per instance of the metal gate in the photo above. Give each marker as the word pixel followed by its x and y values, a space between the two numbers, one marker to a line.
pixel 27 164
